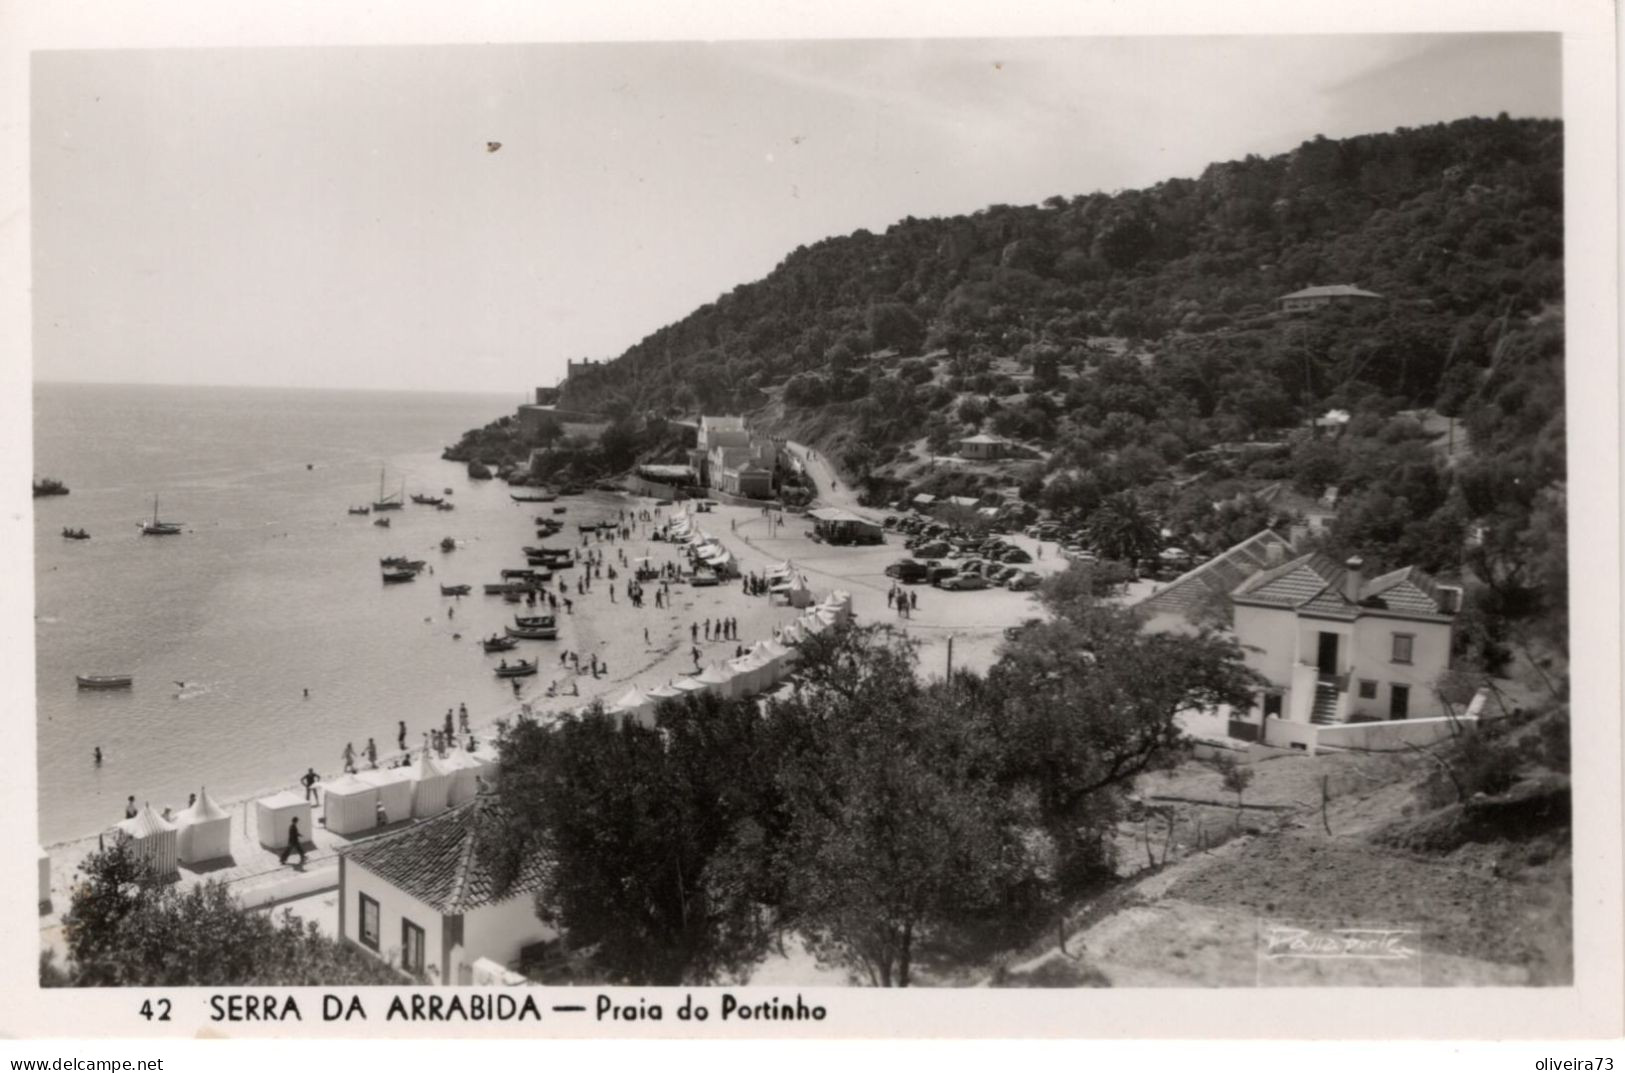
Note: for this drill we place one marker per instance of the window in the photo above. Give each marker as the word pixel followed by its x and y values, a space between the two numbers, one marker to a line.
pixel 1368 689
pixel 411 947
pixel 1403 642
pixel 369 923
pixel 1272 705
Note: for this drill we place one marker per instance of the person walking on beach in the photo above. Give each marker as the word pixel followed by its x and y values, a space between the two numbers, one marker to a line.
pixel 692 651
pixel 130 810
pixel 349 758
pixel 451 728
pixel 372 754
pixel 401 737
pixel 309 780
pixel 295 842
pixel 569 607
pixel 913 603
pixel 462 717
pixel 693 631
pixel 645 641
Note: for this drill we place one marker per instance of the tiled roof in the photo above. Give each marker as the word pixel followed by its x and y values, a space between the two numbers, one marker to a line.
pixel 438 861
pixel 1220 574
pixel 1314 584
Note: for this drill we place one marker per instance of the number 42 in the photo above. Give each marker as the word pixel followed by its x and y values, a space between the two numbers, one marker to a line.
pixel 161 1013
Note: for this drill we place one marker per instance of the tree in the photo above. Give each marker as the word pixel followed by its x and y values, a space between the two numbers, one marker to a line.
pixel 895 830
pixel 1121 529
pixel 654 833
pixel 1085 703
pixel 126 928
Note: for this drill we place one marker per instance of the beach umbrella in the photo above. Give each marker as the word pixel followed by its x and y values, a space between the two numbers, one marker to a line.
pixel 204 830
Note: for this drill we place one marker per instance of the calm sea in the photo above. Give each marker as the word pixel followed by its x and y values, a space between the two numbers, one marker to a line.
pixel 271 590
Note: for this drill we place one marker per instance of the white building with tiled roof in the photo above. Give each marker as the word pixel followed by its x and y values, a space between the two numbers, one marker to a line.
pixel 1341 294
pixel 1338 648
pixel 426 899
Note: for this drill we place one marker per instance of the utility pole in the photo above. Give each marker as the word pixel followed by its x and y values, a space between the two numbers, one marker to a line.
pixel 948 677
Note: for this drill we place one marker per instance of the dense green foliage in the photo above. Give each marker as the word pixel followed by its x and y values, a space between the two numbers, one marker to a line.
pixel 878 817
pixel 125 928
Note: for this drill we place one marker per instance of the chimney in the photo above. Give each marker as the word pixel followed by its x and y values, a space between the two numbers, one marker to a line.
pixel 1351 583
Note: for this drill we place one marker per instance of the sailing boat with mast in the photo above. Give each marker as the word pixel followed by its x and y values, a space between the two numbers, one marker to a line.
pixel 384 502
pixel 158 528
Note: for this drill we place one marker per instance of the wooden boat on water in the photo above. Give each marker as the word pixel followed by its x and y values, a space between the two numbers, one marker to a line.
pixel 401 562
pixel 384 522
pixel 75 534
pixel 395 577
pixel 505 588
pixel 447 491
pixel 519 573
pixel 456 590
pixel 105 681
pixel 158 528
pixel 445 506
pixel 448 544
pixel 360 510
pixel 560 510
pixel 426 501
pixel 542 496
pixel 522 669
pixel 499 644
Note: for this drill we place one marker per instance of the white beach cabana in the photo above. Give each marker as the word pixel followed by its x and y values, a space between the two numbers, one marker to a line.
pixel 719 680
pixel 394 786
pixel 689 686
pixel 431 785
pixel 153 839
pixel 750 673
pixel 782 656
pixel 635 705
pixel 466 771
pixel 349 805
pixel 660 694
pixel 205 831
pixel 273 814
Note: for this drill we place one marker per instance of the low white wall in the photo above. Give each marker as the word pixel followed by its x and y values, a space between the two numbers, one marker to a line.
pixel 499 931
pixel 1390 736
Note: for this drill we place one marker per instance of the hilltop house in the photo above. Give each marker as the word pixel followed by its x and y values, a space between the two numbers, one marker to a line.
pixel 1336 647
pixel 1339 294
pixel 983 447
pixel 426 901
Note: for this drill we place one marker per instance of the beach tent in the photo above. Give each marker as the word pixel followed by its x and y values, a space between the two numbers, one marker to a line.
pixel 782 657
pixel 272 815
pixel 153 839
pixel 395 793
pixel 780 570
pixel 349 805
pixel 720 680
pixel 751 674
pixel 812 625
pixel 686 686
pixel 205 831
pixel 660 694
pixel 431 785
pixel 466 772
pixel 635 705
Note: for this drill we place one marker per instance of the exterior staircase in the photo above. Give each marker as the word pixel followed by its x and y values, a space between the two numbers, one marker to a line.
pixel 1324 711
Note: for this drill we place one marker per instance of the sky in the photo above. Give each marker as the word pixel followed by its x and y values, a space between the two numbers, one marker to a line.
pixel 335 218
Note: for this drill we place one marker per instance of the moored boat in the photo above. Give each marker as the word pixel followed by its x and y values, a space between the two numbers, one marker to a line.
pixel 499 644
pixel 533 628
pixel 522 669
pixel 384 522
pixel 456 590
pixel 105 681
pixel 540 496
pixel 426 500
pixel 75 534
pixel 158 528
pixel 388 502
pixel 395 577
pixel 448 544
pixel 445 506
pixel 360 510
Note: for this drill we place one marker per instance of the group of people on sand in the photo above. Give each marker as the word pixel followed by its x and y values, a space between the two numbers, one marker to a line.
pixel 904 602
pixel 726 629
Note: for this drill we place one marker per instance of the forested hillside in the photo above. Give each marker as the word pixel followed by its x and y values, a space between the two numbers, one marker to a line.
pixel 1131 344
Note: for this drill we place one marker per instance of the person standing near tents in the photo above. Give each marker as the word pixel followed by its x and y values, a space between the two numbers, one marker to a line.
pixel 372 754
pixel 349 758
pixel 309 780
pixel 401 736
pixel 295 842
pixel 130 811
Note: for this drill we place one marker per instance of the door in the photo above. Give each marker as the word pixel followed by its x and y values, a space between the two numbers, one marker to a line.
pixel 1399 702
pixel 1327 661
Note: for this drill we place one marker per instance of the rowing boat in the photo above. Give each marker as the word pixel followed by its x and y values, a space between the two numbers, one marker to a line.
pixel 105 681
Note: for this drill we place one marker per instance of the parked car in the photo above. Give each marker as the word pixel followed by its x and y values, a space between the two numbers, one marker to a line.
pixel 1004 574
pixel 908 571
pixel 1014 555
pixel 938 574
pixel 1024 581
pixel 935 549
pixel 962 582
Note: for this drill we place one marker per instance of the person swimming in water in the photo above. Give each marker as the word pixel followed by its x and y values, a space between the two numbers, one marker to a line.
pixel 97 753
